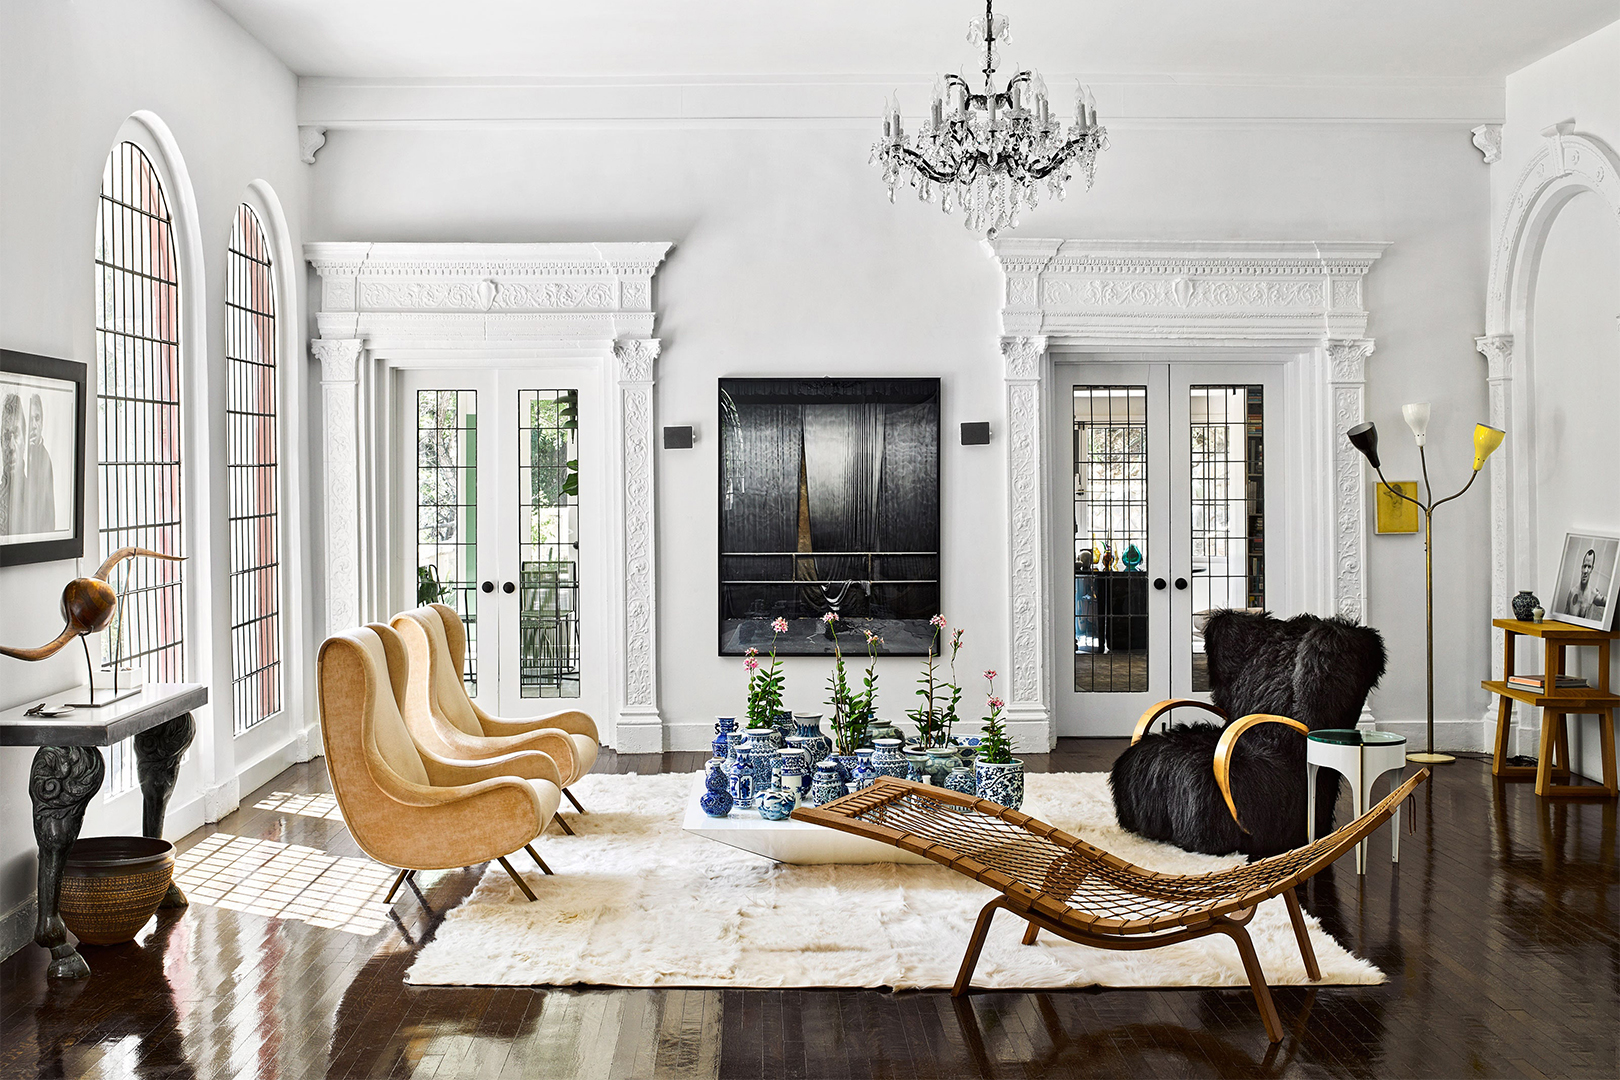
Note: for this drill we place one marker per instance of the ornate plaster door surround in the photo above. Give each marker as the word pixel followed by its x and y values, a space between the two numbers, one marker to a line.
pixel 387 306
pixel 1296 299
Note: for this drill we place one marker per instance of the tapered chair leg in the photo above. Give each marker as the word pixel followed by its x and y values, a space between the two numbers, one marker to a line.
pixel 1257 980
pixel 394 888
pixel 970 959
pixel 1297 917
pixel 1031 934
pixel 558 818
pixel 538 861
pixel 575 801
pixel 516 877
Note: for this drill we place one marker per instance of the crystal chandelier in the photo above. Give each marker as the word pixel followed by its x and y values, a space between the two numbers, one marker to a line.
pixel 988 153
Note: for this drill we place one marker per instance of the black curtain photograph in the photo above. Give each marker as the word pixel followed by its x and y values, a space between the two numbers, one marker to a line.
pixel 829 502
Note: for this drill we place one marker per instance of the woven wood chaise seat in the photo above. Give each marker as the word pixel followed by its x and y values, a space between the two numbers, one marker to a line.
pixel 1060 883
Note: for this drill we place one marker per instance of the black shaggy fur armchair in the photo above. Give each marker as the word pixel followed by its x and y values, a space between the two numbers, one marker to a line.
pixel 1316 671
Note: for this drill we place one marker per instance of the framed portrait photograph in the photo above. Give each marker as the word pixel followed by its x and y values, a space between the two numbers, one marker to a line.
pixel 829 502
pixel 1584 592
pixel 42 418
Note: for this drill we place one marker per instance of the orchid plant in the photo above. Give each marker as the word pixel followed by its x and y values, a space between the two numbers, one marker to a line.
pixel 845 704
pixel 937 715
pixel 866 700
pixel 765 683
pixel 995 748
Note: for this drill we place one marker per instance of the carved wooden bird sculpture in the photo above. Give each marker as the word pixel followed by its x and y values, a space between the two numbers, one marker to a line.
pixel 88 604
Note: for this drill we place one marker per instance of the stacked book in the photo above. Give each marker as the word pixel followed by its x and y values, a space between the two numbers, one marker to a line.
pixel 1534 682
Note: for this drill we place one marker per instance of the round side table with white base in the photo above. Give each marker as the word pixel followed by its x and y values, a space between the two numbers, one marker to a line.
pixel 1362 757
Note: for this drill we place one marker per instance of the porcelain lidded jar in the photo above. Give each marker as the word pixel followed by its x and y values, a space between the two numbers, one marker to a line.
pixel 716 798
pixel 828 784
pixel 887 760
pixel 774 804
pixel 1524 605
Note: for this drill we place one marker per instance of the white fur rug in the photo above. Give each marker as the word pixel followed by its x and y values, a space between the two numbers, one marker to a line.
pixel 637 901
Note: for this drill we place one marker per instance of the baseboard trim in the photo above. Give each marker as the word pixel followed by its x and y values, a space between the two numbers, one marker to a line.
pixel 1450 736
pixel 17 927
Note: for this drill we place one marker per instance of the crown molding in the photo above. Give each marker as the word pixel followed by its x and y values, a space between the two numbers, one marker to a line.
pixel 848 102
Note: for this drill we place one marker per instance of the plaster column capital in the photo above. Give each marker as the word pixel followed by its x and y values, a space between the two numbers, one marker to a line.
pixel 339 358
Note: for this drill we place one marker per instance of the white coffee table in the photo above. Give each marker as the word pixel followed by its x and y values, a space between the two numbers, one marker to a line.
pixel 788 841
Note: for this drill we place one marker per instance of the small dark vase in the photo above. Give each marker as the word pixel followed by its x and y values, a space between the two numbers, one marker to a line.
pixel 1524 605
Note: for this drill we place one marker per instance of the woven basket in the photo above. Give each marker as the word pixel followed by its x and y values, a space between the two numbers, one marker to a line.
pixel 112 884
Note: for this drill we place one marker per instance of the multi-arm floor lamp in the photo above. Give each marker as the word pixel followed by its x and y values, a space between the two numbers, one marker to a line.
pixel 1364 437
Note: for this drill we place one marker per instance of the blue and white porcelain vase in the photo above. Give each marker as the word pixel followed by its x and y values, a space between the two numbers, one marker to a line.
pixel 784 724
pixel 716 797
pixel 742 772
pixel 723 726
pixel 807 726
pixel 846 766
pixel 1524 605
pixel 828 784
pixel 760 754
pixel 774 804
pixel 864 774
pixel 939 763
pixel 767 737
pixel 734 739
pixel 961 779
pixel 887 760
pixel 916 764
pixel 795 770
pixel 1000 782
pixel 881 729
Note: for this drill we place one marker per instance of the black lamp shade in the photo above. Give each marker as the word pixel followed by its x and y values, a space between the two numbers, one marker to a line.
pixel 1364 437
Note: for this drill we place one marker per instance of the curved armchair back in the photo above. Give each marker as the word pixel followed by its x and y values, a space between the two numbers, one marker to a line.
pixel 429 642
pixel 393 811
pixel 1318 671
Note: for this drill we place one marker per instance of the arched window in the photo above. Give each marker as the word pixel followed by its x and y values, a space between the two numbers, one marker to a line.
pixel 255 503
pixel 138 411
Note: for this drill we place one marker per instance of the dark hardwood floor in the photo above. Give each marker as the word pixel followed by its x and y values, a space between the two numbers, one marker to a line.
pixel 1497 931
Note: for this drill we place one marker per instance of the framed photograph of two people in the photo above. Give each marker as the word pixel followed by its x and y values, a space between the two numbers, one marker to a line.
pixel 42 417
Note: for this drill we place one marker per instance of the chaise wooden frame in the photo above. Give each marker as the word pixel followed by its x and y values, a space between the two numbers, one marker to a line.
pixel 1060 883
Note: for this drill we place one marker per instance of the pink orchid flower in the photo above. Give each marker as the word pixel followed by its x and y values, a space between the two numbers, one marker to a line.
pixel 989 674
pixel 779 626
pixel 996 703
pixel 751 664
pixel 830 617
pixel 937 621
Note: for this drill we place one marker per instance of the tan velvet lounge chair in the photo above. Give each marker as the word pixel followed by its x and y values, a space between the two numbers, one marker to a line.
pixel 406 808
pixel 442 718
pixel 1060 883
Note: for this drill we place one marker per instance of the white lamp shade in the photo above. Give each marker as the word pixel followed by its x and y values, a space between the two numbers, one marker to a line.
pixel 1417 418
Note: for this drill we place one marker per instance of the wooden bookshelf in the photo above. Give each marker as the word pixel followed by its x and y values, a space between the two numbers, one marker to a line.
pixel 1556 704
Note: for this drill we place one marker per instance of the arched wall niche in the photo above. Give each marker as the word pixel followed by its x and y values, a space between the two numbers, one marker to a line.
pixel 1567 165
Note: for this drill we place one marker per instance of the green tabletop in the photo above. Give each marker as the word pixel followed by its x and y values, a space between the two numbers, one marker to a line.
pixel 1355 737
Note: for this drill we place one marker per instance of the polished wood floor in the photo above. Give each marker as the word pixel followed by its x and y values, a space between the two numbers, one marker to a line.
pixel 1497 930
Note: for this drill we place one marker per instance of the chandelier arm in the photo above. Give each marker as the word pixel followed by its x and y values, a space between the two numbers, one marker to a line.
pixel 923 165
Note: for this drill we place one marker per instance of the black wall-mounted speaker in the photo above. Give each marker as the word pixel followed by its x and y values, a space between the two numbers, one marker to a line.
pixel 975 434
pixel 677 438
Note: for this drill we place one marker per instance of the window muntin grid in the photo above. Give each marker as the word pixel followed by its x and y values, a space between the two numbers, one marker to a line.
pixel 1110 442
pixel 251 466
pixel 548 543
pixel 1227 517
pixel 138 423
pixel 447 509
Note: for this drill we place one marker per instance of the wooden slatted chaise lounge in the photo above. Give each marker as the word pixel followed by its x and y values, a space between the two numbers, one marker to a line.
pixel 1060 883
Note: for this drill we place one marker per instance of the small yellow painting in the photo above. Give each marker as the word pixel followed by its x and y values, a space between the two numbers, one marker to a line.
pixel 1396 515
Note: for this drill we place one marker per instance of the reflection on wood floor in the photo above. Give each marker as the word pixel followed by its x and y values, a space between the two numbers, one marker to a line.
pixel 1497 930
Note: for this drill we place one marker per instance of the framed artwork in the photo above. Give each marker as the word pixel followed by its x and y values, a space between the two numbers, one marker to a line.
pixel 829 502
pixel 1396 515
pixel 1583 593
pixel 42 416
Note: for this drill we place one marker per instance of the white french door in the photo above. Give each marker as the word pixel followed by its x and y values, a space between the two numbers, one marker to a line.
pixel 490 469
pixel 1166 497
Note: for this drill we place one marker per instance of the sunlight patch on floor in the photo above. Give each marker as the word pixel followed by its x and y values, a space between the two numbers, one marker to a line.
pixel 321 804
pixel 285 881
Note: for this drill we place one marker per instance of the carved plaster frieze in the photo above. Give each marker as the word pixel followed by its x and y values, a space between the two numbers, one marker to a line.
pixel 340 419
pixel 1488 139
pixel 635 360
pixel 1026 493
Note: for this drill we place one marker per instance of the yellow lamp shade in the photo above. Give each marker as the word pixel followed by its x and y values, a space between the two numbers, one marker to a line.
pixel 1486 440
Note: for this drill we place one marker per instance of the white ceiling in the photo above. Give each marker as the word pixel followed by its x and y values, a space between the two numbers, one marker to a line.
pixel 708 38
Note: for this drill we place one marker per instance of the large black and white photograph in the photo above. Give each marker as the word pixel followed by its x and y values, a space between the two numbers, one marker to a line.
pixel 41 451
pixel 1584 592
pixel 829 503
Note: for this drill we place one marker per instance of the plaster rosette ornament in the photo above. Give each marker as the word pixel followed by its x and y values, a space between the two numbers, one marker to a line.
pixel 988 153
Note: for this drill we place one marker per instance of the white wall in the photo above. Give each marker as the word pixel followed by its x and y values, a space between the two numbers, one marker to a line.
pixel 70 74
pixel 790 260
pixel 1574 323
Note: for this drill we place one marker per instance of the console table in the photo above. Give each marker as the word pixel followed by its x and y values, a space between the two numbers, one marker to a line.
pixel 68 770
pixel 1555 704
